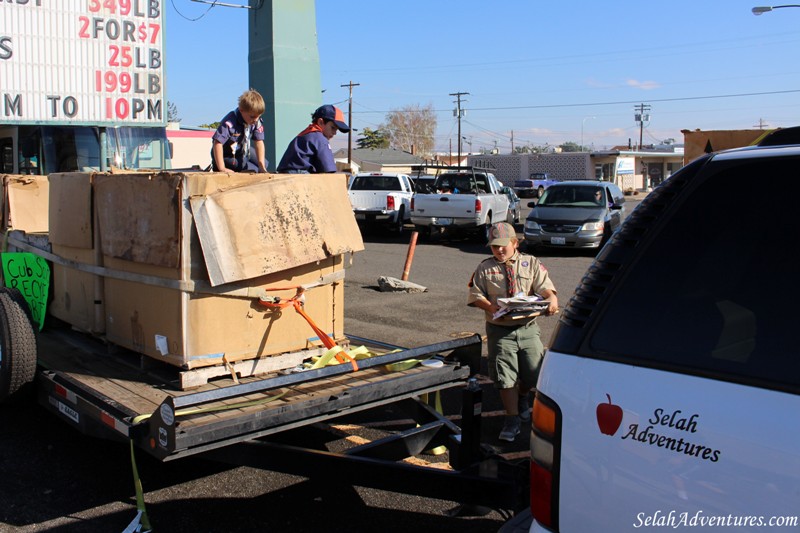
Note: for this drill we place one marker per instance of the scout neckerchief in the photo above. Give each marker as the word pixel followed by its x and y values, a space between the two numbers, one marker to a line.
pixel 310 129
pixel 510 282
pixel 246 144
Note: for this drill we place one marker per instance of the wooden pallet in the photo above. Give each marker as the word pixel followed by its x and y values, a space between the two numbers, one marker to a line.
pixel 82 346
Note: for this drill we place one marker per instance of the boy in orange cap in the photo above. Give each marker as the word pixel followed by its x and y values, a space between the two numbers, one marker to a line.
pixel 310 151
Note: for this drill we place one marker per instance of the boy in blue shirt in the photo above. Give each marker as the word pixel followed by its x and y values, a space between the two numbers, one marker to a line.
pixel 310 151
pixel 238 143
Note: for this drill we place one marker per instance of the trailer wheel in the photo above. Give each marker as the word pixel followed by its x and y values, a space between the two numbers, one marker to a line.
pixel 17 345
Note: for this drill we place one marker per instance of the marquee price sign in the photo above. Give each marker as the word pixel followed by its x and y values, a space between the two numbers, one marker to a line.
pixel 91 62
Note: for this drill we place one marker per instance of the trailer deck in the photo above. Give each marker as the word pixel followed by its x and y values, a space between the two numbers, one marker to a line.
pixel 106 395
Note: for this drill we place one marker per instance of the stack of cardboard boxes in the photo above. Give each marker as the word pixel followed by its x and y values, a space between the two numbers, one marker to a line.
pixel 172 265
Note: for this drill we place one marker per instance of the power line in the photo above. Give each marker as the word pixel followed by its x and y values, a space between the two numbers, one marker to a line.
pixel 618 102
pixel 739 42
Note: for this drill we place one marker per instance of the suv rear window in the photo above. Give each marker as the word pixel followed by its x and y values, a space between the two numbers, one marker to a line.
pixel 717 291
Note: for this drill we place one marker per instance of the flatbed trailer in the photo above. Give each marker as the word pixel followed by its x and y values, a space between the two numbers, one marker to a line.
pixel 245 421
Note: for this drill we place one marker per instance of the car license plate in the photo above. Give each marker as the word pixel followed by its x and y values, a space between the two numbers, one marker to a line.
pixel 444 221
pixel 558 240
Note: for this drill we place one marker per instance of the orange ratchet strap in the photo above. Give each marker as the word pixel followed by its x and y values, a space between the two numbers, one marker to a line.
pixel 295 302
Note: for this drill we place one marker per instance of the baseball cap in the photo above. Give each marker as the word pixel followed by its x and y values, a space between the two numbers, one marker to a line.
pixel 500 234
pixel 329 112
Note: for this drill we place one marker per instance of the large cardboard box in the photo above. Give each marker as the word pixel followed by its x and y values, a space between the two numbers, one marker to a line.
pixel 76 296
pixel 185 257
pixel 24 203
pixel 192 329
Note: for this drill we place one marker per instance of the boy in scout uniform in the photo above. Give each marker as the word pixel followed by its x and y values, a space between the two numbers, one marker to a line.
pixel 514 344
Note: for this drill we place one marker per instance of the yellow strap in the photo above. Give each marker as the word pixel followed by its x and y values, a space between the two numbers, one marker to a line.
pixel 325 359
pixel 143 519
pixel 439 450
pixel 198 410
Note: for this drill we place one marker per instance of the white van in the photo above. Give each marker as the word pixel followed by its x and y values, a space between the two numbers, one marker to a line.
pixel 670 394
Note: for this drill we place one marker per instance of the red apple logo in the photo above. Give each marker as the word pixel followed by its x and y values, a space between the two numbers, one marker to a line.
pixel 609 417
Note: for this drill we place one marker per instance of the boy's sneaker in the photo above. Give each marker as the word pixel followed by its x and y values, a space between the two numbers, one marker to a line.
pixel 524 408
pixel 510 428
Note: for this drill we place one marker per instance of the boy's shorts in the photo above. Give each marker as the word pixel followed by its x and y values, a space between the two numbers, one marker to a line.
pixel 515 354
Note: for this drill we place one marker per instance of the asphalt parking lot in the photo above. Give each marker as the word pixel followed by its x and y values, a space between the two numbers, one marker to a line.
pixel 57 480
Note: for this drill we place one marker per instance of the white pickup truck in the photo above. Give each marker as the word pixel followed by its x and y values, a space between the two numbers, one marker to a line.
pixel 381 198
pixel 467 199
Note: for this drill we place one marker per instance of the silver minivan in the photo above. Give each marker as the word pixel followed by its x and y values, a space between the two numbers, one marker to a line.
pixel 575 214
pixel 669 396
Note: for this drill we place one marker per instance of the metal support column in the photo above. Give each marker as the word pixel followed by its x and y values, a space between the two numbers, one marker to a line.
pixel 284 68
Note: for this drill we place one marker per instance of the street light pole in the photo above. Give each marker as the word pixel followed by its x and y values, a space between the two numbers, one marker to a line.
pixel 582 123
pixel 759 10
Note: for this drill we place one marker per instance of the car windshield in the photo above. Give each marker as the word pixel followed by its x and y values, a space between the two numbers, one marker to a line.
pixel 572 196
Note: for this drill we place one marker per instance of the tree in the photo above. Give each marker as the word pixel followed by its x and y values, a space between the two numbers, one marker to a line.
pixel 373 139
pixel 172 112
pixel 570 146
pixel 411 129
pixel 212 126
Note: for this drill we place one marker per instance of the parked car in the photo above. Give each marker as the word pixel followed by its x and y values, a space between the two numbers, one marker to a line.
pixel 466 199
pixel 535 186
pixel 381 198
pixel 670 392
pixel 514 205
pixel 575 214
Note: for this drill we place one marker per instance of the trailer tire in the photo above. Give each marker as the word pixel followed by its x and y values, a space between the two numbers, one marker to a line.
pixel 17 345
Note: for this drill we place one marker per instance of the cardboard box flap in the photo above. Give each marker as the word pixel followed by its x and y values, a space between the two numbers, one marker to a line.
pixel 28 199
pixel 138 217
pixel 71 209
pixel 205 183
pixel 287 221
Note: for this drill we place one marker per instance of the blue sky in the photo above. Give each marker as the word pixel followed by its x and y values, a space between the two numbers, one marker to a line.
pixel 549 72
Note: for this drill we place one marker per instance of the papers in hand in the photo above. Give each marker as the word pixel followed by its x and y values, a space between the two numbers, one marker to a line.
pixel 520 306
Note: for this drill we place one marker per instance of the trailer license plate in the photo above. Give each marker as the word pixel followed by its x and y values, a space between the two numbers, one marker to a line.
pixel 558 240
pixel 69 412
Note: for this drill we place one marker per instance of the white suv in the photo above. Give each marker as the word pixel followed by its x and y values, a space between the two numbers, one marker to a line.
pixel 670 394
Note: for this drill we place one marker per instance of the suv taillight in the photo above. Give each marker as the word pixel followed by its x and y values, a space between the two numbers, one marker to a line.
pixel 390 203
pixel 545 457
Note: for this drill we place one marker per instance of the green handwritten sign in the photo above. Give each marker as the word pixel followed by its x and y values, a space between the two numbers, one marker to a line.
pixel 30 274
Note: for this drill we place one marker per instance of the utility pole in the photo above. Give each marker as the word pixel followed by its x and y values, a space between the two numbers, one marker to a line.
pixel 458 112
pixel 512 141
pixel 350 123
pixel 641 117
pixel 761 124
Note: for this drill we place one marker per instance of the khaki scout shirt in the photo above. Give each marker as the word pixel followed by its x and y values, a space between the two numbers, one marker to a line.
pixel 489 282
